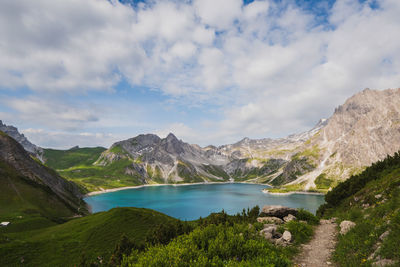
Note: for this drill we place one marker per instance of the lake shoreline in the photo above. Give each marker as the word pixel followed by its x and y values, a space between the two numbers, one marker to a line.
pixel 266 191
pixel 151 185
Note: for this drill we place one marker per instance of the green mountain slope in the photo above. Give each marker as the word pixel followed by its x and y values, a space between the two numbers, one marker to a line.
pixel 371 200
pixel 77 165
pixel 92 236
pixel 29 189
pixel 64 159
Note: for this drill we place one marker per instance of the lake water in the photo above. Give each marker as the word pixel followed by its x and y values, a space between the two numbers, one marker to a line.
pixel 192 201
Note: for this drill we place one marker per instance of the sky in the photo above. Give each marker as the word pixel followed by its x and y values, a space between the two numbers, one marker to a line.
pixel 93 72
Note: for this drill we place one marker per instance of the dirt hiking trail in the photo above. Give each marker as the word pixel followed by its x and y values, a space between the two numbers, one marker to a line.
pixel 317 253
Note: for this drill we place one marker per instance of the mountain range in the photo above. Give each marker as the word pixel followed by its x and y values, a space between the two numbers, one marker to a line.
pixel 363 130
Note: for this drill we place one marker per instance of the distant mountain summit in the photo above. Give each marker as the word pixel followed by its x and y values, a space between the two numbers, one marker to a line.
pixel 20 138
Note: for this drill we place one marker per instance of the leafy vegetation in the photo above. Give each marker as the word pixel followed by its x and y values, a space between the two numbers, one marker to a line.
pixel 371 199
pixel 213 245
pixel 224 240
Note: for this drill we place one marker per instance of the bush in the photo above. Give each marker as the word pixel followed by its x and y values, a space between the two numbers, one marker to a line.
pixel 213 245
pixel 307 216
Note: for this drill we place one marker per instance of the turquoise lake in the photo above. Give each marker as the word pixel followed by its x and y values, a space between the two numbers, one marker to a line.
pixel 192 201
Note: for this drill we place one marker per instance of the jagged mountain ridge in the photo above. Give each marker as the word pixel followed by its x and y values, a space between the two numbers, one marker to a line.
pixel 171 160
pixel 20 138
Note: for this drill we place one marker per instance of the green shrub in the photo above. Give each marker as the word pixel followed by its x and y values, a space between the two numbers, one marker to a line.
pixel 304 215
pixel 213 245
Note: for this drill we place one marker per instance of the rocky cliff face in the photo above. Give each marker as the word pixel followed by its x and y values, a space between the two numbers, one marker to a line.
pixel 365 129
pixel 20 138
pixel 20 172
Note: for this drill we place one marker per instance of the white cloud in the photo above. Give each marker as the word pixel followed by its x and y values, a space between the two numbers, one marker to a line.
pixel 66 140
pixel 50 113
pixel 269 67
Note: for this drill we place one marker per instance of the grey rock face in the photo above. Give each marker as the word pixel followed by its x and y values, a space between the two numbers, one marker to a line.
pixel 20 138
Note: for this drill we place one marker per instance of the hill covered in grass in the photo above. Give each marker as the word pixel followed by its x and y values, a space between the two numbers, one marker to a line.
pixel 77 165
pixel 76 156
pixel 29 189
pixel 372 201
pixel 90 239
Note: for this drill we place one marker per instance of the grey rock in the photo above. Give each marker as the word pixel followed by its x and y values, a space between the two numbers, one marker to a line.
pixel 287 236
pixel 269 228
pixel 346 226
pixel 289 218
pixel 278 211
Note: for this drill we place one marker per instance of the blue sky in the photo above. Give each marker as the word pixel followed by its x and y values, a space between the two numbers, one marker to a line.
pixel 94 72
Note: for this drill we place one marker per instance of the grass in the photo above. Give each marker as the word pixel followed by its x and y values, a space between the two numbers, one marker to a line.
pixel 112 175
pixel 94 236
pixel 22 198
pixel 64 159
pixel 288 188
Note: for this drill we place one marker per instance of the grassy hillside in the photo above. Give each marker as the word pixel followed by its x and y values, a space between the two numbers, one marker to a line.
pixel 21 197
pixel 90 237
pixel 76 164
pixel 371 200
pixel 64 159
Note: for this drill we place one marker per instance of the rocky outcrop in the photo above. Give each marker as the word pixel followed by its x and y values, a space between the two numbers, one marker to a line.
pixel 20 138
pixel 278 211
pixel 274 216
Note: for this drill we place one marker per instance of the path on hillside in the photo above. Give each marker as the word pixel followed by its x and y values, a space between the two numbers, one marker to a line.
pixel 318 251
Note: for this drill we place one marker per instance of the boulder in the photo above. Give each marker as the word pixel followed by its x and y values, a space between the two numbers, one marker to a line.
pixel 287 236
pixel 345 226
pixel 269 231
pixel 274 220
pixel 270 228
pixel 289 218
pixel 278 211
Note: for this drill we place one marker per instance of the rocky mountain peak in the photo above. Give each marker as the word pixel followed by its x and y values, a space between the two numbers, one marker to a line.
pixel 20 138
pixel 172 145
